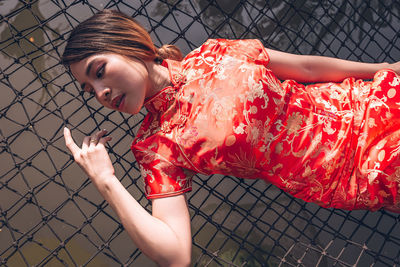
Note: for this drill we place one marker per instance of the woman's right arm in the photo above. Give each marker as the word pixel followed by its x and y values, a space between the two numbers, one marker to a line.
pixel 164 236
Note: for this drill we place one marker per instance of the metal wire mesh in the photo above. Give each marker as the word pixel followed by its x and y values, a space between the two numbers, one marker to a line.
pixel 50 214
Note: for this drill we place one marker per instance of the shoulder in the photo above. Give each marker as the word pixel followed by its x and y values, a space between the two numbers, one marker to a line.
pixel 246 49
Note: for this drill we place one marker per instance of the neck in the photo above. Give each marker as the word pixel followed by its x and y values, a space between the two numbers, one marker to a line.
pixel 159 78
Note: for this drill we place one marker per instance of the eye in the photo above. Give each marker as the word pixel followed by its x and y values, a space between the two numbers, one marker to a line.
pixel 100 72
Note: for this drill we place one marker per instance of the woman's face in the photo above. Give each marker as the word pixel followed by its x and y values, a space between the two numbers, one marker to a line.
pixel 118 82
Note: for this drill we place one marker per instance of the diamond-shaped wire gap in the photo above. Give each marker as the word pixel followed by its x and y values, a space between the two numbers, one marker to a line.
pixel 27 236
pixel 184 18
pixel 223 228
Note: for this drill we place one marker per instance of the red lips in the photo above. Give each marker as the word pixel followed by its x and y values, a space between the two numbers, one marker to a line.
pixel 116 102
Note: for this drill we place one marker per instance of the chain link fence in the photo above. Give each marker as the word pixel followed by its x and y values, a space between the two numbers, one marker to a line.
pixel 50 213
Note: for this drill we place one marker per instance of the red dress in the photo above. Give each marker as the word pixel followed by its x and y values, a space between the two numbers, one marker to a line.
pixel 334 144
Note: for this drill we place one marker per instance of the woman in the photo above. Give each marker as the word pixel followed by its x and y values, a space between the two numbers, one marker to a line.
pixel 223 110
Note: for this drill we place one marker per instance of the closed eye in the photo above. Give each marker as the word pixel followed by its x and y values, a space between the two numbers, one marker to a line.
pixel 101 71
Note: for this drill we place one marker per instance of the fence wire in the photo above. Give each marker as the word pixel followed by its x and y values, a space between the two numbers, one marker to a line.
pixel 51 215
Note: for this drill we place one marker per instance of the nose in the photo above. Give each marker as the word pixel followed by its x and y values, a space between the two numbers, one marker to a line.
pixel 104 94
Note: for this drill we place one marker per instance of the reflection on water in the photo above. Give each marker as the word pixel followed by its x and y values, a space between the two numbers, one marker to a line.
pixel 38 177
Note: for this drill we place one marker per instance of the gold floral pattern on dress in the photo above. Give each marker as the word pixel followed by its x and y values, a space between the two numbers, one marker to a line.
pixel 334 144
pixel 294 123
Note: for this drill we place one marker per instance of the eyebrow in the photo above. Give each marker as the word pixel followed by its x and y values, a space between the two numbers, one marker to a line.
pixel 89 67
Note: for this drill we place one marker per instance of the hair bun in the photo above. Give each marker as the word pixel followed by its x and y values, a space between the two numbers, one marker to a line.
pixel 170 52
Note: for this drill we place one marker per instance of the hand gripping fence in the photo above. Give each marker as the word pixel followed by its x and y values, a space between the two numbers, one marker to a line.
pixel 50 213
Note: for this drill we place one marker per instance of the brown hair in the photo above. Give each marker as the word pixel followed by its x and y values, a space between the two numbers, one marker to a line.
pixel 113 31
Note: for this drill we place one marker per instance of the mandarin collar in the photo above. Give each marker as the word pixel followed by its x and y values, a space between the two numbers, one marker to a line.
pixel 161 101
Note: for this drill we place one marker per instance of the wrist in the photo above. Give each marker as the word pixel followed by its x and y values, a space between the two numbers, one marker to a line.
pixel 105 183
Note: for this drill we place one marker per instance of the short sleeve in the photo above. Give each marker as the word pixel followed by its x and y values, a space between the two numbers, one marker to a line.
pixel 247 49
pixel 251 48
pixel 161 177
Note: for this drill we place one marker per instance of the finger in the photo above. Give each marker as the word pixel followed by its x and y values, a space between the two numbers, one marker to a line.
pixel 101 133
pixel 94 140
pixel 86 143
pixel 69 142
pixel 104 140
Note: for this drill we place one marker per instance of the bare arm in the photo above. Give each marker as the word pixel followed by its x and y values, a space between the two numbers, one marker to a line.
pixel 164 236
pixel 308 68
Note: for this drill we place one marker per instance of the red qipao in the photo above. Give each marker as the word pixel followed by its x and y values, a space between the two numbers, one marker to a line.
pixel 334 144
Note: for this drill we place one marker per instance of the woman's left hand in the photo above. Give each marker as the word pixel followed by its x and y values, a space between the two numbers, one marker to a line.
pixel 92 157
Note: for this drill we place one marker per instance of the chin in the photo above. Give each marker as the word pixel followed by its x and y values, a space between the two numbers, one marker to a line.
pixel 131 112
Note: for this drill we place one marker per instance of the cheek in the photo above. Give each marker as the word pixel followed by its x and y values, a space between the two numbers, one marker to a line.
pixel 136 75
pixel 134 84
pixel 131 79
